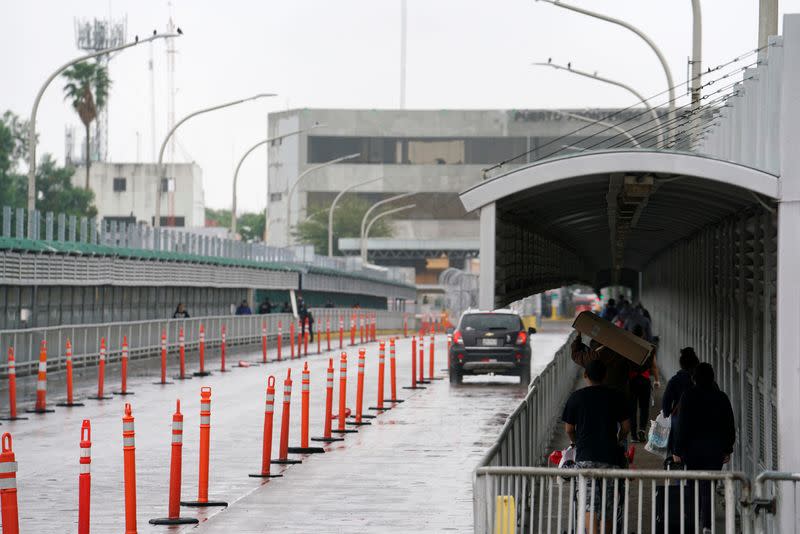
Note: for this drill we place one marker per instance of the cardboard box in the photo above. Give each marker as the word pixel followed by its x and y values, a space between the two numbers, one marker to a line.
pixel 620 341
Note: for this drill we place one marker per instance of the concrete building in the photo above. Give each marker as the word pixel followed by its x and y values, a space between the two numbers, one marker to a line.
pixel 125 192
pixel 437 153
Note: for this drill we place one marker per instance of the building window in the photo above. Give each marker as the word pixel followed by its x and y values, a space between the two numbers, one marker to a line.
pixel 167 185
pixel 274 197
pixel 171 221
pixel 120 185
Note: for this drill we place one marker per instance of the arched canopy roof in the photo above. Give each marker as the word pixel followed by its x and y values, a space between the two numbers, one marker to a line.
pixel 613 210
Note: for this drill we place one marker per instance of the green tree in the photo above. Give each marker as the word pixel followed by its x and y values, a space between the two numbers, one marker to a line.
pixel 346 223
pixel 87 90
pixel 56 193
pixel 249 225
pixel 13 149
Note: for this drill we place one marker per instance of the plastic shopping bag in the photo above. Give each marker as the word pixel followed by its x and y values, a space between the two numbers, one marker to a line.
pixel 658 436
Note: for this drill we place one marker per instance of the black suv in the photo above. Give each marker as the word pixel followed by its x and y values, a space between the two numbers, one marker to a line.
pixel 490 342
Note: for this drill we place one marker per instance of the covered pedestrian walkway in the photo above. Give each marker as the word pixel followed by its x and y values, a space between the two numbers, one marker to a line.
pixel 708 242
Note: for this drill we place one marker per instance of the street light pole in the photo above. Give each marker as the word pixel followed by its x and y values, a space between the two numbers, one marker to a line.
pixel 374 219
pixel 637 31
pixel 239 166
pixel 297 182
pixel 362 242
pixel 333 207
pixel 160 167
pixel 627 87
pixel 697 63
pixel 32 124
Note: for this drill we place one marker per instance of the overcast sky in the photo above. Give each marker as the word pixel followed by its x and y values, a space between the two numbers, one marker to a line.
pixel 345 54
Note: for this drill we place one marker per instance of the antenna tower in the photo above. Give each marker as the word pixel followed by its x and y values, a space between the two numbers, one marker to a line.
pixel 92 36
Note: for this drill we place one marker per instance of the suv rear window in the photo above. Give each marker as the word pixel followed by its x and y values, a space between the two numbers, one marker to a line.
pixel 491 321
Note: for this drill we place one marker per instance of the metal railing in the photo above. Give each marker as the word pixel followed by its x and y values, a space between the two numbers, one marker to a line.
pixel 527 431
pixel 774 492
pixel 144 337
pixel 542 499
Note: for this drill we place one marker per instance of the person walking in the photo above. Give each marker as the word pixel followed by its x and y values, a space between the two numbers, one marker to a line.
pixel 706 434
pixel 265 307
pixel 610 311
pixel 618 367
pixel 641 391
pixel 679 384
pixel 596 420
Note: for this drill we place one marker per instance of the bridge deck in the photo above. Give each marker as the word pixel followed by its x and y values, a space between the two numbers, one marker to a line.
pixel 409 471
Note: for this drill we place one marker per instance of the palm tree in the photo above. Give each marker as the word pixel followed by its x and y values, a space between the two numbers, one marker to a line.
pixel 87 90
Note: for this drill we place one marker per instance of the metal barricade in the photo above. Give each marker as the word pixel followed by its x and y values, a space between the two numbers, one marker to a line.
pixel 614 501
pixel 144 337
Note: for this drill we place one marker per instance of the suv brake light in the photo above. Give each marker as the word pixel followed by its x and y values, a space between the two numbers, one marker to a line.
pixel 522 338
pixel 457 339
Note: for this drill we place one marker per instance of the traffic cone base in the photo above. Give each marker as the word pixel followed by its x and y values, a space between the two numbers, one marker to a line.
pixel 201 373
pixel 306 450
pixel 395 400
pixel 345 431
pixel 414 387
pixel 261 475
pixel 327 440
pixel 358 423
pixel 123 393
pixel 285 462
pixel 160 383
pixel 198 504
pixel 41 410
pixel 364 416
pixel 435 378
pixel 174 521
pixel 184 377
pixel 104 397
pixel 72 404
pixel 13 418
pixel 379 408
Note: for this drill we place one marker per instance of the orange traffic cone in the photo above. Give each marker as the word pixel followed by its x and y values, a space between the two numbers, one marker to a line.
pixel 202 353
pixel 266 445
pixel 326 435
pixel 85 478
pixel 359 416
pixel 41 383
pixel 12 388
pixel 393 373
pixel 283 450
pixel 70 398
pixel 205 447
pixel 381 370
pixel 101 373
pixel 175 467
pixel 129 469
pixel 124 370
pixel 8 487
pixel 343 411
pixel 304 410
pixel 163 380
pixel 414 383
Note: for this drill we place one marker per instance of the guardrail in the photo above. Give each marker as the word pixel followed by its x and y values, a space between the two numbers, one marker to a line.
pixel 543 499
pixel 773 489
pixel 144 337
pixel 527 431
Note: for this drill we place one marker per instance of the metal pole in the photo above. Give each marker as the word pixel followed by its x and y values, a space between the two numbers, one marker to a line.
pixel 157 221
pixel 379 216
pixel 403 32
pixel 297 181
pixel 767 23
pixel 637 31
pixel 239 165
pixel 628 88
pixel 362 242
pixel 32 124
pixel 697 63
pixel 333 207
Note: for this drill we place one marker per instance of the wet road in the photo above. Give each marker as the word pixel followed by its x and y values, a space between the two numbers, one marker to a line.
pixel 409 471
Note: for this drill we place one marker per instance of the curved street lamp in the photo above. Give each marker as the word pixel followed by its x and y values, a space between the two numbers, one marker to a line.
pixel 641 34
pixel 333 207
pixel 379 216
pixel 362 242
pixel 297 182
pixel 239 166
pixel 627 87
pixel 32 124
pixel 157 221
